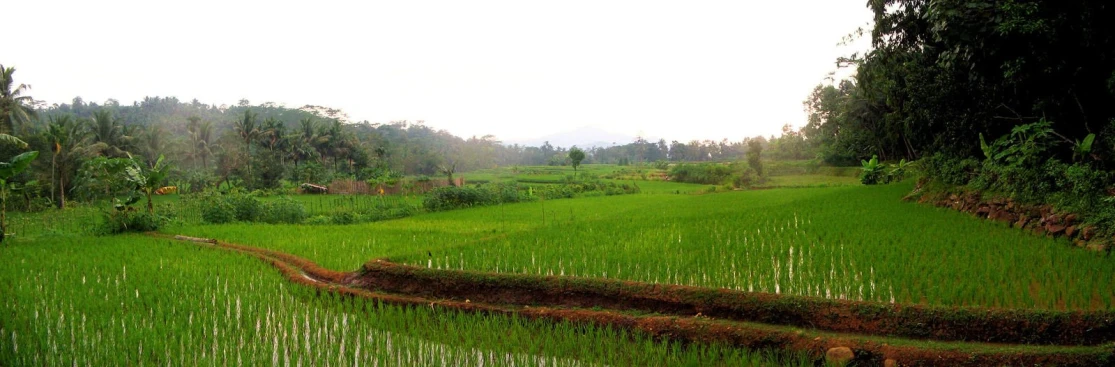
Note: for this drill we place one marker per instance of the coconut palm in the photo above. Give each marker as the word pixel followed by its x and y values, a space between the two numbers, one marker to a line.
pixel 201 136
pixel 249 130
pixel 303 142
pixel 152 141
pixel 272 132
pixel 68 144
pixel 107 130
pixel 15 107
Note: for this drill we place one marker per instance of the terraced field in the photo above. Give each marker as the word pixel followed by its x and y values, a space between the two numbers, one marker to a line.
pixel 764 277
pixel 852 243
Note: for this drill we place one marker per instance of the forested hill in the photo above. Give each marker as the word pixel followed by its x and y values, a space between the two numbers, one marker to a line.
pixel 260 146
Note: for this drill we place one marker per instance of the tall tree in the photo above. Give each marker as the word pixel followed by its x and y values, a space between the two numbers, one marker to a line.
pixel 248 130
pixel 107 130
pixel 304 141
pixel 576 155
pixel 16 108
pixel 68 141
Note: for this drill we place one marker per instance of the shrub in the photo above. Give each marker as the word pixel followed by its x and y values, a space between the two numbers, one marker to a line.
pixel 284 210
pixel 345 217
pixel 451 197
pixel 122 221
pixel 245 207
pixel 215 209
pixel 950 170
pixel 746 178
pixel 319 220
pixel 704 173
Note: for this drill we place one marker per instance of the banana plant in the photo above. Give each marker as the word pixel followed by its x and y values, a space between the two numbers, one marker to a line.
pixel 987 150
pixel 147 180
pixel 1081 149
pixel 872 171
pixel 899 171
pixel 8 170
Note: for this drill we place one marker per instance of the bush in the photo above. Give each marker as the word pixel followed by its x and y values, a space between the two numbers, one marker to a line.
pixel 215 209
pixel 703 173
pixel 245 207
pixel 450 197
pixel 283 210
pixel 345 217
pixel 745 179
pixel 122 221
pixel 319 220
pixel 951 170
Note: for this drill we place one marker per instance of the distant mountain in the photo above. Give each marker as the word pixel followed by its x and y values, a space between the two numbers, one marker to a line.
pixel 582 137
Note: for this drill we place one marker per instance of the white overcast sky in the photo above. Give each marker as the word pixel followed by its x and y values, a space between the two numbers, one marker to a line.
pixel 515 69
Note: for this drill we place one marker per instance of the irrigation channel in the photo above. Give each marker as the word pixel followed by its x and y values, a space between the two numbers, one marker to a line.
pixel 876 333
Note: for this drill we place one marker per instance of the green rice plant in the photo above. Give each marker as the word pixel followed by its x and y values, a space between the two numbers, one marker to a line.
pixel 850 242
pixel 133 300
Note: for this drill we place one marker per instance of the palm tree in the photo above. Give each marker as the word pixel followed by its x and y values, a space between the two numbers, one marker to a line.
pixel 153 142
pixel 334 142
pixel 68 141
pixel 201 134
pixel 249 131
pixel 272 132
pixel 303 143
pixel 15 107
pixel 106 130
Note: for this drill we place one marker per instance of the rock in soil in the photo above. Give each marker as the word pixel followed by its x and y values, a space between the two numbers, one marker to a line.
pixel 840 355
pixel 1088 232
pixel 890 363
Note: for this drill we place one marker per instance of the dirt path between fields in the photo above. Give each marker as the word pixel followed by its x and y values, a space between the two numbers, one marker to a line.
pixel 876 334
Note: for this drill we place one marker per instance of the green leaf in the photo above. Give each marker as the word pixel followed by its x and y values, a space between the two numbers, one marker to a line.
pixel 1086 146
pixel 986 148
pixel 9 139
pixel 17 164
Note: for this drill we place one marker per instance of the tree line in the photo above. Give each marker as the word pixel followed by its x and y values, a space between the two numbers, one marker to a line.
pixel 1008 98
pixel 261 146
pixel 941 73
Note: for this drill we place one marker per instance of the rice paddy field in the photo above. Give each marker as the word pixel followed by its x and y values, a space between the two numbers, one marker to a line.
pixel 846 242
pixel 74 299
pixel 135 300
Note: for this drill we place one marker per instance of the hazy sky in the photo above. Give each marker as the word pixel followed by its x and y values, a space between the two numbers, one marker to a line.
pixel 516 69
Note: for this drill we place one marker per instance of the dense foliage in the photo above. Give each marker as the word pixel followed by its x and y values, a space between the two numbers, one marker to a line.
pixel 942 72
pixel 1013 97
